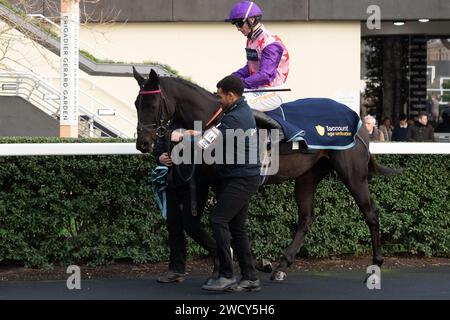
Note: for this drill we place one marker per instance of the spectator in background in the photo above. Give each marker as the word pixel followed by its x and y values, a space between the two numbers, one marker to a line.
pixel 400 132
pixel 444 126
pixel 434 110
pixel 421 131
pixel 374 133
pixel 386 128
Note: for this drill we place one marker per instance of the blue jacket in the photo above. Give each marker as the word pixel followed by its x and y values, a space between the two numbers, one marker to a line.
pixel 240 116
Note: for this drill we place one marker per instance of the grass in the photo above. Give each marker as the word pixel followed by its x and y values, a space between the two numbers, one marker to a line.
pixel 90 56
pixel 13 9
pixel 164 66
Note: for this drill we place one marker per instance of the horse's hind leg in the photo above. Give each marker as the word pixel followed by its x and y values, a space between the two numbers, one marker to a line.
pixel 360 192
pixel 305 187
pixel 353 170
pixel 373 222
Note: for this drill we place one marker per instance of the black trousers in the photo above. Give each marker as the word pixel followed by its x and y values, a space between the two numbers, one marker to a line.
pixel 179 220
pixel 229 224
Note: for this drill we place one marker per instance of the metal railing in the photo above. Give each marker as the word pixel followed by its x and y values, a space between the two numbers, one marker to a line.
pixel 44 96
pixel 94 104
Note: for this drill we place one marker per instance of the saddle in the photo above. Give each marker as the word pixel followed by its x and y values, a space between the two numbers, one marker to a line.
pixel 263 121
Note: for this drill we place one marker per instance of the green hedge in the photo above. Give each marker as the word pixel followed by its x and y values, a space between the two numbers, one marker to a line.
pixel 99 209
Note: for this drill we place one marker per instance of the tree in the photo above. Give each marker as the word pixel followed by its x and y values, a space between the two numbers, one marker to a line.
pixel 14 34
pixel 373 93
pixel 387 83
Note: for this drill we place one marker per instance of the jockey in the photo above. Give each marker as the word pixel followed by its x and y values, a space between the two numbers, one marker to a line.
pixel 267 57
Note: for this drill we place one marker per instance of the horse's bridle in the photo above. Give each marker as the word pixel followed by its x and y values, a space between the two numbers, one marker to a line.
pixel 161 131
pixel 162 127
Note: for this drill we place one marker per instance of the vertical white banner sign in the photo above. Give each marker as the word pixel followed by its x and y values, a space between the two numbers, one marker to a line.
pixel 70 24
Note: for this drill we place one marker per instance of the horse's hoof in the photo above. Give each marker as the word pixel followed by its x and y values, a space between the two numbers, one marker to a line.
pixel 264 265
pixel 278 276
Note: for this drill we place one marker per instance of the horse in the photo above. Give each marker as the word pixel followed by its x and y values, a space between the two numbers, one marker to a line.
pixel 162 99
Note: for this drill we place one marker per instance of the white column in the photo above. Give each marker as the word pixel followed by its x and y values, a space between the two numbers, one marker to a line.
pixel 70 24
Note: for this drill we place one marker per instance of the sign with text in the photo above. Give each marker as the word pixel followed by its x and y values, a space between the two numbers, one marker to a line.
pixel 70 21
pixel 350 98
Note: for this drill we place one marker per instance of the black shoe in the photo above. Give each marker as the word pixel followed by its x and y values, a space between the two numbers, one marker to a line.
pixel 247 285
pixel 170 276
pixel 219 284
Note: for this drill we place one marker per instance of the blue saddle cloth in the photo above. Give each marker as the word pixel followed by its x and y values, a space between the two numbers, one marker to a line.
pixel 322 123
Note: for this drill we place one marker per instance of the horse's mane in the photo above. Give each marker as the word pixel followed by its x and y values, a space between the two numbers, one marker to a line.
pixel 188 84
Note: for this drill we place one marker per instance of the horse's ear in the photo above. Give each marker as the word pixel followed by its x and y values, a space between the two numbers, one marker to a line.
pixel 153 77
pixel 140 79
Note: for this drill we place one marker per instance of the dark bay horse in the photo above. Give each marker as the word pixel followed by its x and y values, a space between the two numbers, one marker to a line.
pixel 165 98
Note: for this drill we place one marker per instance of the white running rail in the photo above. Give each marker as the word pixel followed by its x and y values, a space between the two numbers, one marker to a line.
pixel 54 149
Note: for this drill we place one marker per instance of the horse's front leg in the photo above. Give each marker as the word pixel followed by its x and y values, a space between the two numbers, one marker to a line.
pixel 305 187
pixel 279 274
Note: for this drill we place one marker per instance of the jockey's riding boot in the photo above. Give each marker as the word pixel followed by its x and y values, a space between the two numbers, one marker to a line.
pixel 266 122
pixel 170 276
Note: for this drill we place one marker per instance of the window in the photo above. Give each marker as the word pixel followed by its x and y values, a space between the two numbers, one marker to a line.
pixel 406 74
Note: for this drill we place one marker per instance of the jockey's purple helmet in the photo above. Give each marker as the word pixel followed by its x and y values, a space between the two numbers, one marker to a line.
pixel 244 10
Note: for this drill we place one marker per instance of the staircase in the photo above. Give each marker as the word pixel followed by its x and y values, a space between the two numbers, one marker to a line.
pixel 96 118
pixel 44 96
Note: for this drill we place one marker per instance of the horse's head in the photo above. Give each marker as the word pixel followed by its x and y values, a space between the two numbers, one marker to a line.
pixel 152 111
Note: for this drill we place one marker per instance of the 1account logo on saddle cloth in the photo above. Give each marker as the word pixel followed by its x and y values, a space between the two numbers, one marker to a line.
pixel 334 131
pixel 320 130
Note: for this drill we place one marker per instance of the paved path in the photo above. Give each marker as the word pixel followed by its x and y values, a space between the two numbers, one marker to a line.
pixel 406 283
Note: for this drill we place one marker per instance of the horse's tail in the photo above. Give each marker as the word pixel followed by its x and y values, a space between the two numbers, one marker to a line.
pixel 377 169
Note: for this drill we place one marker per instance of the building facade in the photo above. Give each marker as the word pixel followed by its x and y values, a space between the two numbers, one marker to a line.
pixel 334 51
